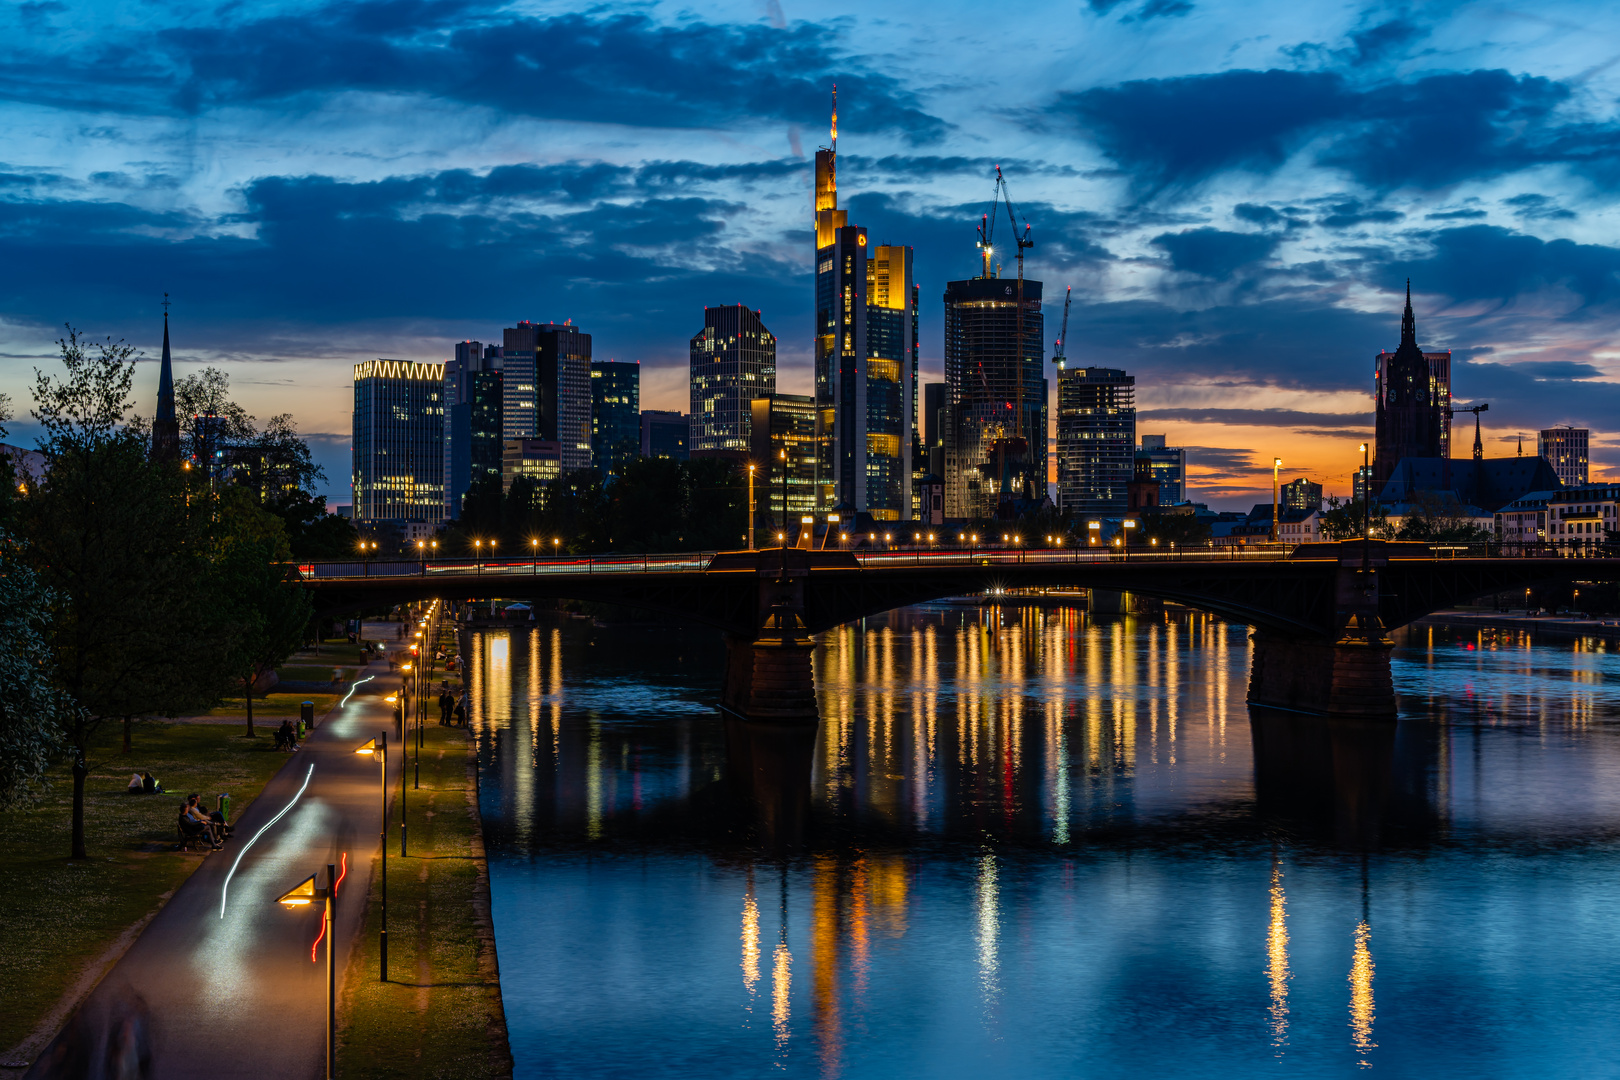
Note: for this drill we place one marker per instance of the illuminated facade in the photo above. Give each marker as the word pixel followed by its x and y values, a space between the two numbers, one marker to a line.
pixel 615 415
pixel 1096 438
pixel 474 419
pixel 987 415
pixel 1565 448
pixel 665 433
pixel 784 422
pixel 540 460
pixel 398 442
pixel 1412 394
pixel 866 357
pixel 1169 469
pixel 548 387
pixel 733 361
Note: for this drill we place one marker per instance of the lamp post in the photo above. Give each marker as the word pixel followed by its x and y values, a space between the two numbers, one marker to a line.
pixel 751 468
pixel 379 747
pixel 782 456
pixel 478 554
pixel 534 555
pixel 305 894
pixel 1366 516
pixel 1276 463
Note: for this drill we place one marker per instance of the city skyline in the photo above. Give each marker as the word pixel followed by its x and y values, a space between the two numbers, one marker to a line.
pixel 1243 284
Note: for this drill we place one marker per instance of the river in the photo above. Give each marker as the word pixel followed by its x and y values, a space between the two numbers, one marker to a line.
pixel 1024 842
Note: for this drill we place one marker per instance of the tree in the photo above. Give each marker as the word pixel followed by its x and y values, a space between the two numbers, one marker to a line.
pixel 312 533
pixel 210 422
pixel 1438 516
pixel 267 613
pixel 1343 520
pixel 1182 530
pixel 32 709
pixel 121 545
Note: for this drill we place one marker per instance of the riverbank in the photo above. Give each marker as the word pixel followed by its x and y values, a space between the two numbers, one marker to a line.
pixel 440 1013
pixel 1562 627
pixel 68 921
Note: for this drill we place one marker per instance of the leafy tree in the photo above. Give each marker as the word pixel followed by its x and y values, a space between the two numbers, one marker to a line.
pixel 209 420
pixel 119 543
pixel 1182 530
pixel 266 612
pixel 1343 520
pixel 32 709
pixel 275 462
pixel 312 533
pixel 1438 516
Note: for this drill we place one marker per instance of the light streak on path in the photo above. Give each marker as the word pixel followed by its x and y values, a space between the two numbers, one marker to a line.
pixel 353 688
pixel 282 813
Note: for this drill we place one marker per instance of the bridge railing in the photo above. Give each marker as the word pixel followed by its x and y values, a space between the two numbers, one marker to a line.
pixel 697 561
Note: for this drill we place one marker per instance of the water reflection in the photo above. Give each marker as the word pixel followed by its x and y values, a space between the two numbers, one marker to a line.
pixel 1027 842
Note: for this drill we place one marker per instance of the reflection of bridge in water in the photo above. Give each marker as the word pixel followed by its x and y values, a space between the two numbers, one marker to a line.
pixel 1321 612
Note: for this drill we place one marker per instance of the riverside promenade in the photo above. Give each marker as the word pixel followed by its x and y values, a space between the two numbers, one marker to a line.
pixel 221 984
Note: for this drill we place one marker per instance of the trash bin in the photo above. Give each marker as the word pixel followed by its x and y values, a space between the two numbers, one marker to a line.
pixel 306 714
pixel 224 806
pixel 302 729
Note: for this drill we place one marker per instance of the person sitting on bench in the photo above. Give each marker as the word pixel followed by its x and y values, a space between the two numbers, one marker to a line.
pixel 192 829
pixel 286 737
pixel 196 813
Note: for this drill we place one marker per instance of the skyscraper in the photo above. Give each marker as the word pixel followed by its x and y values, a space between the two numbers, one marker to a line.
pixel 1564 447
pixel 1413 401
pixel 996 442
pixel 733 361
pixel 1169 468
pixel 615 415
pixel 784 422
pixel 665 433
pixel 474 419
pixel 548 387
pixel 165 426
pixel 1096 437
pixel 866 357
pixel 398 442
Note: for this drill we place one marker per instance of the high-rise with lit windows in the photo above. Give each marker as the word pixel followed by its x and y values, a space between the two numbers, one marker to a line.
pixel 615 415
pixel 1565 448
pixel 547 368
pixel 398 443
pixel 733 361
pixel 1096 440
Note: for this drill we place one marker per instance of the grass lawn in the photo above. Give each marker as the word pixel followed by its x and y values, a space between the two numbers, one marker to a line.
pixel 439 1015
pixel 272 705
pixel 60 914
pixel 303 672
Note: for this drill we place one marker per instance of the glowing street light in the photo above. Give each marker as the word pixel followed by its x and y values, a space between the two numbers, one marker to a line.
pixel 378 747
pixel 306 894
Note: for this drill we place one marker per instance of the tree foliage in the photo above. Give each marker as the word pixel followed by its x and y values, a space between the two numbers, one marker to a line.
pixel 1343 520
pixel 33 710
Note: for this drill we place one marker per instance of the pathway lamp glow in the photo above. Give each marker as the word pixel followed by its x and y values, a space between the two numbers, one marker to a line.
pixel 378 748
pixel 307 894
pixel 1276 463
pixel 751 508
pixel 534 556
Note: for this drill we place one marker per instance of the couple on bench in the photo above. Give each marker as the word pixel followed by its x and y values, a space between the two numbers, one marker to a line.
pixel 195 824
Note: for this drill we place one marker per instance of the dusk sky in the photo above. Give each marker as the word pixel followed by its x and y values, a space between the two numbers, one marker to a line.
pixel 1236 192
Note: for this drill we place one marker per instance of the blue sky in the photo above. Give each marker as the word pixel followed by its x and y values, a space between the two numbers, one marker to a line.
pixel 1236 192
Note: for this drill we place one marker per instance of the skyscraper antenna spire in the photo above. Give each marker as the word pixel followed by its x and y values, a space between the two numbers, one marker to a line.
pixel 1408 323
pixel 835 119
pixel 165 427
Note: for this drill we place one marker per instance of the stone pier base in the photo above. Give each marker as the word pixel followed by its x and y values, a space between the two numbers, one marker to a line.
pixel 768 767
pixel 770 681
pixel 1348 678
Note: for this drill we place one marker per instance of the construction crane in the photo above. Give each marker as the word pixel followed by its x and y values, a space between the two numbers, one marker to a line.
pixel 1058 355
pixel 1479 447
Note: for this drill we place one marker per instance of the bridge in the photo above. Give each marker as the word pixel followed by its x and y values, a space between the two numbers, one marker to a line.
pixel 1321 612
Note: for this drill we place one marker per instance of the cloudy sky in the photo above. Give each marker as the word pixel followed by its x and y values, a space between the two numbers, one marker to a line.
pixel 1236 192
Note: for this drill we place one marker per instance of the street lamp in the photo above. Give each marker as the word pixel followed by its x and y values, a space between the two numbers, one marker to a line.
pixel 1276 463
pixel 751 468
pixel 379 748
pixel 478 554
pixel 534 556
pixel 782 456
pixel 305 894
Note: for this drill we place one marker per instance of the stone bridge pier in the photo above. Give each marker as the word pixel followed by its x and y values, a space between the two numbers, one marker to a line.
pixel 769 678
pixel 1345 674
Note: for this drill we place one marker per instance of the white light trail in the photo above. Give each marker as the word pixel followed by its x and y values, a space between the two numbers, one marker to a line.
pixel 355 687
pixel 226 887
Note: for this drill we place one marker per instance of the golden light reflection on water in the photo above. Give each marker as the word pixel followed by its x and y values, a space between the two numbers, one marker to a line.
pixel 1361 994
pixel 782 994
pixel 1277 973
pixel 750 941
pixel 987 931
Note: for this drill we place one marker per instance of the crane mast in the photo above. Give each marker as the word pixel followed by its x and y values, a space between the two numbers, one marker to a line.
pixel 1058 355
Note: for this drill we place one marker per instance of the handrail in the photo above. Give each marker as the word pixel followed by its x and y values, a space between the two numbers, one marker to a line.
pixel 698 561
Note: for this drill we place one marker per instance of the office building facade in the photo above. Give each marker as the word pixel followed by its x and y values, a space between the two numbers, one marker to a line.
pixel 1300 494
pixel 996 439
pixel 1412 402
pixel 1096 440
pixel 547 370
pixel 537 460
pixel 891 383
pixel 474 419
pixel 733 361
pixel 1565 448
pixel 1169 468
pixel 784 422
pixel 397 440
pixel 665 434
pixel 615 415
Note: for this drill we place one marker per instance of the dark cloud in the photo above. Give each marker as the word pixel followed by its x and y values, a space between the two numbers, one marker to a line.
pixel 1213 253
pixel 1543 370
pixel 608 68
pixel 1376 43
pixel 1151 9
pixel 1488 262
pixel 1353 212
pixel 1427 133
pixel 1222 459
pixel 1455 215
pixel 1281 418
pixel 1533 207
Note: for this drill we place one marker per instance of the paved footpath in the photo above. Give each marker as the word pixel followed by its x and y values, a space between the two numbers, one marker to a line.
pixel 225 975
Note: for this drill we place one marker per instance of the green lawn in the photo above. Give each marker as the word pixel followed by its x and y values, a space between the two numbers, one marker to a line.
pixel 273 706
pixel 439 1015
pixel 60 914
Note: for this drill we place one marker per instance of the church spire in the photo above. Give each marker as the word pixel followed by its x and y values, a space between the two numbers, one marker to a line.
pixel 1408 323
pixel 165 428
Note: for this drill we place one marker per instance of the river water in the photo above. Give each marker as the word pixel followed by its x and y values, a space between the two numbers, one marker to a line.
pixel 1028 843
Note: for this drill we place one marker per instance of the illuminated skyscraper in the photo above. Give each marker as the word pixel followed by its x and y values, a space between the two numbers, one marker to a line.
pixel 1096 440
pixel 733 362
pixel 866 360
pixel 474 419
pixel 398 442
pixel 982 378
pixel 547 369
pixel 615 415
pixel 784 422
pixel 1565 448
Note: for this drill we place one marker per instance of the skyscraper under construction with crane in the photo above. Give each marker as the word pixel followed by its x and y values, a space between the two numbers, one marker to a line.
pixel 995 438
pixel 866 360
